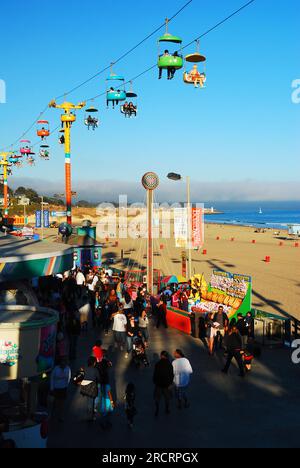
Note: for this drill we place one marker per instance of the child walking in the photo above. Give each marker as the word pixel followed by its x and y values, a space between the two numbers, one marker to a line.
pixel 130 408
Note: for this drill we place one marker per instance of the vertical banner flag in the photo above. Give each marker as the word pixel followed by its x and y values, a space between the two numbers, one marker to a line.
pixel 180 227
pixel 38 219
pixel 198 227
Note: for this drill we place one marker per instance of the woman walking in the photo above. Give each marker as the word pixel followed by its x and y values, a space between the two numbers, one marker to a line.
pixel 212 330
pixel 131 333
pixel 143 327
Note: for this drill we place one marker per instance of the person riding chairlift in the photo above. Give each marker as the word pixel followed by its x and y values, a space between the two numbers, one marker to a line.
pixel 114 102
pixel 132 109
pixel 196 77
pixel 126 108
pixel 93 122
pixel 165 54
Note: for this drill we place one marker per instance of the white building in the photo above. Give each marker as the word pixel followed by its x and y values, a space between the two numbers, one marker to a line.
pixel 23 201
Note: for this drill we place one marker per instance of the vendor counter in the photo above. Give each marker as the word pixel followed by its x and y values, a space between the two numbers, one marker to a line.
pixel 179 319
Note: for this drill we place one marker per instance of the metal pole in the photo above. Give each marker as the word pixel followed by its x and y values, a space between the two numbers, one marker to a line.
pixel 189 224
pixel 150 241
pixel 67 127
pixel 42 218
pixel 5 187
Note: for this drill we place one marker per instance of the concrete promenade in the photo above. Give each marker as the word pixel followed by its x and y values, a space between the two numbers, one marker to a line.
pixel 263 410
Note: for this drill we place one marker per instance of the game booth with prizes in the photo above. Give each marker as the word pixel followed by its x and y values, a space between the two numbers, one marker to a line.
pixel 232 291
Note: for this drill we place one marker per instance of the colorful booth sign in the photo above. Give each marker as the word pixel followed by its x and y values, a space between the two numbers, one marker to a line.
pixel 232 291
pixel 27 341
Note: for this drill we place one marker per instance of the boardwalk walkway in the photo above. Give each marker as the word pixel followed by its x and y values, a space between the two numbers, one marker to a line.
pixel 226 411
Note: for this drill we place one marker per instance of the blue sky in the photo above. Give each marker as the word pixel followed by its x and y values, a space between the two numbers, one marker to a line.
pixel 242 129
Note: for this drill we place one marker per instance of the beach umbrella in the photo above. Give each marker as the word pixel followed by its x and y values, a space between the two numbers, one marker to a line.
pixel 169 279
pixel 181 279
pixel 174 279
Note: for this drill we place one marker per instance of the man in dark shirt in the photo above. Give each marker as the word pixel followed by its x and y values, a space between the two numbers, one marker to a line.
pixel 222 319
pixel 161 314
pixel 234 348
pixel 163 378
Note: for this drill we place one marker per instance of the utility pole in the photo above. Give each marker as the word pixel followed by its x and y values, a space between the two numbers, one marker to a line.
pixel 67 119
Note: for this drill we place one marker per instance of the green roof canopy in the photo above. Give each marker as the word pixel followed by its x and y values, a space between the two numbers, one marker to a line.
pixel 170 38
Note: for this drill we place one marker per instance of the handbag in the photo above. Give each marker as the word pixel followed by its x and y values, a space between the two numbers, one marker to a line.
pixel 90 390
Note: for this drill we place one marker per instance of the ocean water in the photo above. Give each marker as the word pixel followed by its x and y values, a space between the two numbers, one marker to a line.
pixel 274 215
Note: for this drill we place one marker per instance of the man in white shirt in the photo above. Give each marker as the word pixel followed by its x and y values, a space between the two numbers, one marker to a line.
pixel 92 285
pixel 119 328
pixel 182 374
pixel 80 279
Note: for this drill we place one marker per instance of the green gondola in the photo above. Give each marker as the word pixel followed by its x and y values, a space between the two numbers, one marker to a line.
pixel 168 60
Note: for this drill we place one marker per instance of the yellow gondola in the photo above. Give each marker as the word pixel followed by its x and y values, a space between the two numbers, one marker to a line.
pixel 195 76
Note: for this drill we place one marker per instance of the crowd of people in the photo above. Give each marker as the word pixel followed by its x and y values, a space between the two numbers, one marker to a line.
pixel 95 300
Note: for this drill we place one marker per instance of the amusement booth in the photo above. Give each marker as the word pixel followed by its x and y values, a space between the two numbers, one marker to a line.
pixel 232 291
pixel 27 337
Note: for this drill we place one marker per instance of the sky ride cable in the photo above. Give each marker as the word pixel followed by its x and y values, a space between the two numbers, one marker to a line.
pixel 142 73
pixel 98 73
pixel 125 54
pixel 136 242
pixel 157 241
pixel 220 23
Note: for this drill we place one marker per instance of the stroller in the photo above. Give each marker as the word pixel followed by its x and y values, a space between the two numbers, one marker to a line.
pixel 139 355
pixel 78 377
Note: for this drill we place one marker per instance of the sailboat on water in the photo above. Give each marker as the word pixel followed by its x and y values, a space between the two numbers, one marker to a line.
pixel 260 211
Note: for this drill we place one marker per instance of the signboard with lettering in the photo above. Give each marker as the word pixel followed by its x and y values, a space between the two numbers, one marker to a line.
pixel 9 353
pixel 232 284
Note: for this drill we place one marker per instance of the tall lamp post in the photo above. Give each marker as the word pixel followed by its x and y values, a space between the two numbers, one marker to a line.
pixel 150 182
pixel 177 177
pixel 67 119
pixel 5 164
